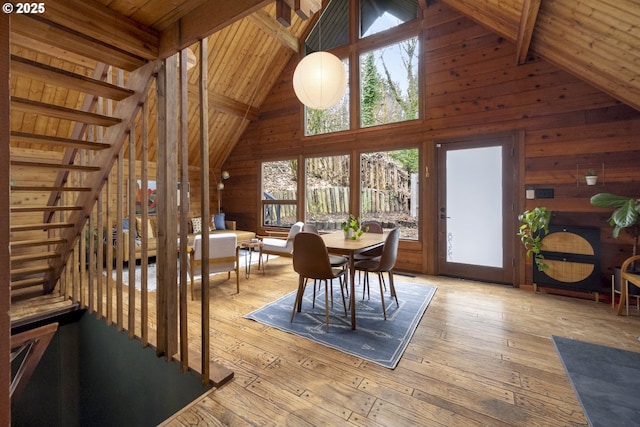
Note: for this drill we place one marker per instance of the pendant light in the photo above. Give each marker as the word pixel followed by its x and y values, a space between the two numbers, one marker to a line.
pixel 320 80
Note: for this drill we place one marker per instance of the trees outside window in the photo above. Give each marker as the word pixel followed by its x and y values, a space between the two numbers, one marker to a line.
pixel 389 191
pixel 387 78
pixel 389 84
pixel 327 191
pixel 389 187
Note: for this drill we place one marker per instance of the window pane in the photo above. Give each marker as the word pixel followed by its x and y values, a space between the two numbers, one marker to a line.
pixel 279 214
pixel 331 30
pixel 332 119
pixel 380 15
pixel 389 191
pixel 279 192
pixel 389 84
pixel 327 191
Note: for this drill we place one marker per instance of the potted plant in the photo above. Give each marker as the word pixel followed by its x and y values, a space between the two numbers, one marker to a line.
pixel 625 216
pixel 591 176
pixel 352 228
pixel 535 224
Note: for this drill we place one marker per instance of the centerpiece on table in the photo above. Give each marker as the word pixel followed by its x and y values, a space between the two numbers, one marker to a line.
pixel 352 228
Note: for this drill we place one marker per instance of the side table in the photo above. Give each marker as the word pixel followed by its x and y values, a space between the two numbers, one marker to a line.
pixel 249 246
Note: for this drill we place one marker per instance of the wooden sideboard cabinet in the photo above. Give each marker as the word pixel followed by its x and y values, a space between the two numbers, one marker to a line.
pixel 573 256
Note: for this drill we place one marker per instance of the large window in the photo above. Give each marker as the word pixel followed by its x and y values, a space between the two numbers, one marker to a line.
pixel 386 83
pixel 389 190
pixel 327 191
pixel 279 193
pixel 389 84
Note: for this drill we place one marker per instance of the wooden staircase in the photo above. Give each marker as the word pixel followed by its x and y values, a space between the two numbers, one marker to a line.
pixel 60 165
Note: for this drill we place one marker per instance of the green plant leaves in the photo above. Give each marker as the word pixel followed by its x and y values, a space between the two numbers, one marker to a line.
pixel 626 213
pixel 535 223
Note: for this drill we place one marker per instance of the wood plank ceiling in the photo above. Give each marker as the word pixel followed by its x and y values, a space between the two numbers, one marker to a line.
pixel 597 40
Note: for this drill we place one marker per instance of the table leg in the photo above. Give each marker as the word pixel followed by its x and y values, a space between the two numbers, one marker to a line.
pixel 247 263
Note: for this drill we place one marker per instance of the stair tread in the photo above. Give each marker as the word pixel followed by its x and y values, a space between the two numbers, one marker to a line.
pixel 33 138
pixel 45 208
pixel 60 112
pixel 47 189
pixel 27 283
pixel 36 242
pixel 41 226
pixel 29 270
pixel 34 256
pixel 52 165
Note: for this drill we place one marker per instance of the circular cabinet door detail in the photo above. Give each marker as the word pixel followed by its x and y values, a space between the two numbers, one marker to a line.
pixel 572 254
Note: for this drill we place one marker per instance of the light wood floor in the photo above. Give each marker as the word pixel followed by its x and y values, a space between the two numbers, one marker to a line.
pixel 481 356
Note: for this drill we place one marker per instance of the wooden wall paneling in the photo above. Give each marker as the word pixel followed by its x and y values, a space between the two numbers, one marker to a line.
pixel 476 89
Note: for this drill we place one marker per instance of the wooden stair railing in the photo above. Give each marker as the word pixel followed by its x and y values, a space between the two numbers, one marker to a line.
pixel 139 81
pixel 27 269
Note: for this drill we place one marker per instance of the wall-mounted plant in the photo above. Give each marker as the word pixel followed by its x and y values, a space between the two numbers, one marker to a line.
pixel 535 224
pixel 591 176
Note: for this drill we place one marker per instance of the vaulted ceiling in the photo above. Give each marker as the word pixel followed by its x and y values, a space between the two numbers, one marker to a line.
pixel 596 40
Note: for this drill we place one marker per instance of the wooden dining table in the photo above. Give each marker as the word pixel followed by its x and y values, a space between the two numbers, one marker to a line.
pixel 337 245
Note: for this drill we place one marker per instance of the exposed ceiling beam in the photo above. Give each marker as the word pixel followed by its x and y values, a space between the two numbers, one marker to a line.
pixel 101 23
pixel 304 8
pixel 528 19
pixel 227 105
pixel 231 106
pixel 49 33
pixel 52 51
pixel 283 13
pixel 204 21
pixel 273 28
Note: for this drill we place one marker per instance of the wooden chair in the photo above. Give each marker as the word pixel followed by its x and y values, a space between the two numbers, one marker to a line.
pixel 279 246
pixel 336 261
pixel 223 257
pixel 382 264
pixel 311 261
pixel 629 285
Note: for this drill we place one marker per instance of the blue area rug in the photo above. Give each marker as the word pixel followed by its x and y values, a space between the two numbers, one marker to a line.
pixel 375 339
pixel 605 379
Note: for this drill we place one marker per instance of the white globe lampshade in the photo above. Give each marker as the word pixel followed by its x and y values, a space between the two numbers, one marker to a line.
pixel 319 80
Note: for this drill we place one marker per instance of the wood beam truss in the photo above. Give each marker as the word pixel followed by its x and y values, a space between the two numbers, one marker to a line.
pixel 528 19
